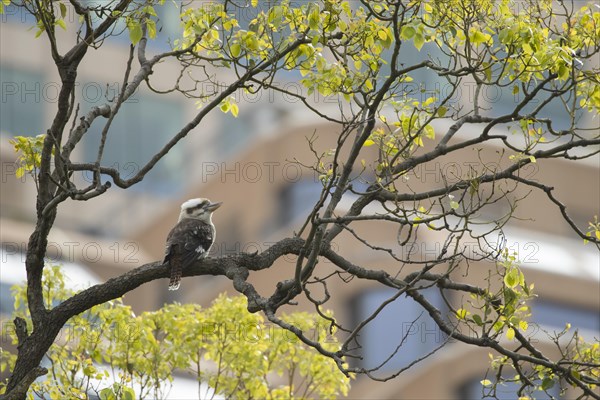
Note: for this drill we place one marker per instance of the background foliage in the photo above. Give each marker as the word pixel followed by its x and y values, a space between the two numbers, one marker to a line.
pixel 110 352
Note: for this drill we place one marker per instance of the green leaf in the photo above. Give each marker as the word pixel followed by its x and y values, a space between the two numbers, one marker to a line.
pixel 151 26
pixel 547 383
pixel 477 319
pixel 523 325
pixel 368 143
pixel 107 394
pixel 498 325
pixel 419 41
pixel 509 297
pixel 128 393
pixel 461 313
pixel 563 72
pixel 478 37
pixel 236 50
pixel 225 106
pixel 89 370
pixel 511 279
pixel 441 112
pixel 135 31
pixel 453 205
pixel 150 11
pixel 510 333
pixel 488 71
pixel 2 4
pixel 407 32
pixel 314 18
pixel 63 10
pixel 234 110
pixel 429 101
pixel 486 382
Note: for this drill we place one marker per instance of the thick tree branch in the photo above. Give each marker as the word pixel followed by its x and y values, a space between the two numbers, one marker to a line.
pixel 229 266
pixel 20 390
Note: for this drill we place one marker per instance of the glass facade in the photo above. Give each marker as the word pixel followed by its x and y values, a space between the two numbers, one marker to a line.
pixel 142 127
pixel 402 327
pixel 24 97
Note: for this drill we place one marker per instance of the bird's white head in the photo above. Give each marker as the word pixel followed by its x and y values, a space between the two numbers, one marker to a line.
pixel 200 208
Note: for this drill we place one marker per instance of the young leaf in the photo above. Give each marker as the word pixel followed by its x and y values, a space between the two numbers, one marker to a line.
pixel 63 10
pixel 511 279
pixel 523 325
pixel 368 143
pixel 234 110
pixel 419 41
pixel 135 31
pixel 510 334
pixel 407 32
pixel 151 26
pixel 547 383
pixel 236 50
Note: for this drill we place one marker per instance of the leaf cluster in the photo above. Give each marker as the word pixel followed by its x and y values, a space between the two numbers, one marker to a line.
pixel 111 352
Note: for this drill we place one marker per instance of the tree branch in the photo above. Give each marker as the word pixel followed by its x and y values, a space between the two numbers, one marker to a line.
pixel 230 266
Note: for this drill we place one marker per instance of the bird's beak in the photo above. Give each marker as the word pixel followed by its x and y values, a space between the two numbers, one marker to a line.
pixel 213 206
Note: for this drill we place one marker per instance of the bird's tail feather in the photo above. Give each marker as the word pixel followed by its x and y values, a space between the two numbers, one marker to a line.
pixel 175 274
pixel 173 285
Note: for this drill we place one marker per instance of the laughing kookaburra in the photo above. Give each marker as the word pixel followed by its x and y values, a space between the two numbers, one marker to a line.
pixel 191 238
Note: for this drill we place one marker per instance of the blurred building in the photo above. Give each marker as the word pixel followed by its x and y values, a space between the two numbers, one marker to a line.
pixel 249 163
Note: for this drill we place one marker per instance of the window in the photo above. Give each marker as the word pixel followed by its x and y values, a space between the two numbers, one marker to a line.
pixel 552 316
pixel 256 118
pixel 506 391
pixel 12 272
pixel 16 13
pixel 168 26
pixel 403 320
pixel 426 82
pixel 6 298
pixel 23 97
pixel 501 100
pixel 297 198
pixel 142 127
pixel 235 134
